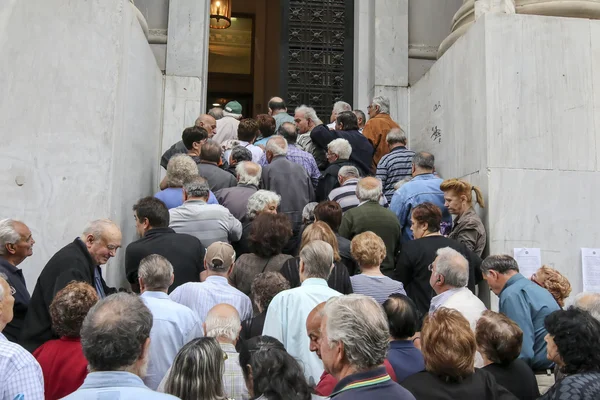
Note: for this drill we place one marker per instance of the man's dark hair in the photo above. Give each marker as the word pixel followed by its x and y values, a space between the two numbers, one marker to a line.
pixel 114 332
pixel 154 209
pixel 211 151
pixel 502 263
pixel 329 212
pixel 349 120
pixel 403 316
pixel 277 105
pixel 288 131
pixel 192 135
pixel 248 130
pixel 266 125
pixel 424 160
pixel 240 153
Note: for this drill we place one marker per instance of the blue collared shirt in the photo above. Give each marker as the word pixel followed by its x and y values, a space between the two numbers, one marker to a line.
pixel 173 197
pixel 422 188
pixel 528 305
pixel 20 374
pixel 405 359
pixel 174 325
pixel 115 385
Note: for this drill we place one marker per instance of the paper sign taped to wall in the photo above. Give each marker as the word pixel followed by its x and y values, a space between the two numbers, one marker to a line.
pixel 590 265
pixel 529 260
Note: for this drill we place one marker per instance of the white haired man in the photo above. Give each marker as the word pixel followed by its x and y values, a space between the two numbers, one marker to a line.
pixel 397 164
pixel 306 120
pixel 345 194
pixel 20 374
pixel 589 302
pixel 77 261
pixel 354 342
pixel 288 311
pixel 338 107
pixel 16 244
pixel 338 155
pixel 371 216
pixel 174 325
pixel 227 127
pixel 235 199
pixel 378 126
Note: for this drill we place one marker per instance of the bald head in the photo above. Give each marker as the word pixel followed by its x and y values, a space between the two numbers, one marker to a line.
pixel 223 323
pixel 369 189
pixel 207 122
pixel 102 238
pixel 313 327
pixel 289 132
pixel 276 106
pixel 248 173
pixel 276 146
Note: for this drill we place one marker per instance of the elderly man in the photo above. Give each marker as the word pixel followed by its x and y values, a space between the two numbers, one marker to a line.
pixel 16 244
pixel 284 177
pixel 20 374
pixel 379 125
pixel 424 187
pixel 354 343
pixel 345 194
pixel 346 127
pixel 184 252
pixel 338 107
pixel 248 131
pixel 371 216
pixel 527 304
pixel 288 311
pixel 203 296
pixel 209 167
pixel 236 156
pixel 216 113
pixel 77 261
pixel 306 120
pixel 208 222
pixel 115 337
pixel 278 110
pixel 338 154
pixel 295 154
pixel 362 119
pixel 227 126
pixel 397 164
pixel 235 199
pixel 193 138
pixel 174 325
pixel 449 279
pixel 204 121
pixel 589 302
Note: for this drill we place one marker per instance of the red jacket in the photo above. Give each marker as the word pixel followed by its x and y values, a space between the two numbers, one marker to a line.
pixel 327 383
pixel 64 366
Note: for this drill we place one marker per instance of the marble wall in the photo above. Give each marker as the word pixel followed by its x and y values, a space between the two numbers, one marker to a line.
pixel 80 112
pixel 516 101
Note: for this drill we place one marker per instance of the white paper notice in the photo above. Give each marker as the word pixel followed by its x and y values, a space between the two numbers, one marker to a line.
pixel 529 260
pixel 590 265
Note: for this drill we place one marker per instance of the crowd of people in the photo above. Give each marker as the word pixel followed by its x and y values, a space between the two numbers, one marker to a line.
pixel 286 258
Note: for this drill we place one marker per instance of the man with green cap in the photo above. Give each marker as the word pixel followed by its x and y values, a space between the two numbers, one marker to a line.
pixel 227 126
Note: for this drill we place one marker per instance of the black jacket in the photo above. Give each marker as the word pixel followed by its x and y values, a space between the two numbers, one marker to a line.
pixel 17 283
pixel 329 179
pixel 184 252
pixel 177 148
pixel 72 263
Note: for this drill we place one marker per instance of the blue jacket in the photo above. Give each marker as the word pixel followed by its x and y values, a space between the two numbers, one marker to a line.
pixel 375 384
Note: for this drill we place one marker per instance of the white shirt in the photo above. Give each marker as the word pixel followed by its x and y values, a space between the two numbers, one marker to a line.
pixel 174 325
pixel 463 301
pixel 202 296
pixel 256 151
pixel 227 128
pixel 20 374
pixel 286 321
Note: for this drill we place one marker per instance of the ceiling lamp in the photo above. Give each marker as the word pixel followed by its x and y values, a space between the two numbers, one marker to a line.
pixel 220 14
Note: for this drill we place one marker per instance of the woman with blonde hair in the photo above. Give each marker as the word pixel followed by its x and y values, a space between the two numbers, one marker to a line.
pixel 339 279
pixel 554 282
pixel 467 227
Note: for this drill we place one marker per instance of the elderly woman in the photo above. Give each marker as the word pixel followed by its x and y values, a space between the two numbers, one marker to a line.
pixel 499 341
pixel 180 168
pixel 412 266
pixel 369 251
pixel 572 343
pixel 268 234
pixel 63 364
pixel 266 126
pixel 554 282
pixel 265 286
pixel 330 212
pixel 467 227
pixel 448 346
pixel 339 279
pixel 197 371
pixel 338 155
pixel 263 201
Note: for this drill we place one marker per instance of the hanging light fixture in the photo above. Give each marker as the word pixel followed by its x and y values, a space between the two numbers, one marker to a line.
pixel 220 14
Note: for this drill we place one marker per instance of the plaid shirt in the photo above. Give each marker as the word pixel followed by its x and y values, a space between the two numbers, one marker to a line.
pixel 233 378
pixel 304 158
pixel 20 374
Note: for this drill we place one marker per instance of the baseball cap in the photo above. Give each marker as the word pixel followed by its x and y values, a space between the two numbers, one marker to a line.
pixel 220 256
pixel 233 107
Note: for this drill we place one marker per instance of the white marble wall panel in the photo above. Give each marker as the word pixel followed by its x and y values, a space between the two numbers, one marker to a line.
pixel 417 68
pixel 391 42
pixel 595 61
pixel 364 54
pixel 540 97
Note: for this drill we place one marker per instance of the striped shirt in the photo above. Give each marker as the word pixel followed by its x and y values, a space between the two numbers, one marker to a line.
pixel 393 167
pixel 345 196
pixel 20 374
pixel 377 287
